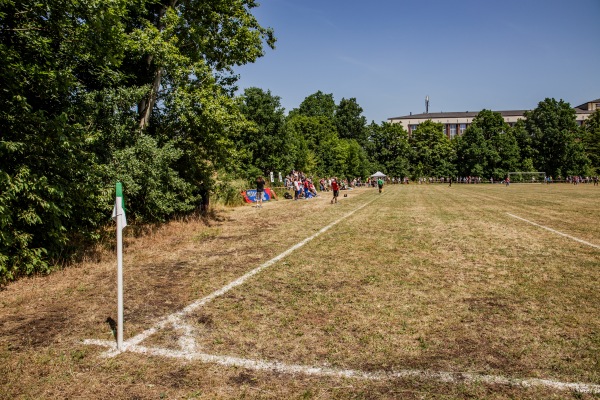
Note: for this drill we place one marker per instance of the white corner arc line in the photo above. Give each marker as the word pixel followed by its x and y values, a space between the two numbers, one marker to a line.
pixel 555 231
pixel 176 317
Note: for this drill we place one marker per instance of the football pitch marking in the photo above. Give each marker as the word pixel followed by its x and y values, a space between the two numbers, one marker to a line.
pixel 555 231
pixel 188 349
pixel 275 366
pixel 176 319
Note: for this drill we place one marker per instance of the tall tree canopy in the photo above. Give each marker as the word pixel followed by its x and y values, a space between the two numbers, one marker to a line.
pixel 488 147
pixel 432 153
pixel 349 121
pixel 555 137
pixel 321 141
pixel 389 149
pixel 525 145
pixel 266 143
pixel 317 104
pixel 591 140
pixel 472 153
pixel 79 81
pixel 53 56
pixel 178 38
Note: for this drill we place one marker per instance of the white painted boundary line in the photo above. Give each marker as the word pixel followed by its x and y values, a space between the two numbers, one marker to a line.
pixel 188 348
pixel 555 231
pixel 175 318
pixel 275 366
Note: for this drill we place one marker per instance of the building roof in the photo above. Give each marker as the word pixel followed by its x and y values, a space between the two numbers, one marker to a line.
pixel 465 114
pixel 584 106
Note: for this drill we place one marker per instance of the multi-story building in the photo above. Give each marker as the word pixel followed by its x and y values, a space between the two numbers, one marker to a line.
pixel 455 123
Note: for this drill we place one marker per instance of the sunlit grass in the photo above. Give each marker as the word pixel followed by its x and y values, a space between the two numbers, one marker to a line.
pixel 429 277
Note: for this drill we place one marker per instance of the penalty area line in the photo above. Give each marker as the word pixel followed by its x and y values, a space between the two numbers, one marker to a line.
pixel 555 231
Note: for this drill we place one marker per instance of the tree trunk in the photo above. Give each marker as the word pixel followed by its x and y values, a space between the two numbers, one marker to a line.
pixel 205 202
pixel 151 100
pixel 146 105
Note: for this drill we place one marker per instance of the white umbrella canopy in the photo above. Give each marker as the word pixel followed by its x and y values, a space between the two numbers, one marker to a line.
pixel 378 174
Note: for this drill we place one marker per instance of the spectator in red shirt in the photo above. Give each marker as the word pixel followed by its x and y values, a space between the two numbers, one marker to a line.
pixel 336 190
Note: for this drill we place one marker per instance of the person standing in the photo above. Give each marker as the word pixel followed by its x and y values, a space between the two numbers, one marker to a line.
pixel 380 184
pixel 296 189
pixel 260 188
pixel 336 190
pixel 306 185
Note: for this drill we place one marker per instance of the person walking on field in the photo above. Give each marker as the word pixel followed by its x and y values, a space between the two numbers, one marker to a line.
pixel 260 188
pixel 336 190
pixel 380 184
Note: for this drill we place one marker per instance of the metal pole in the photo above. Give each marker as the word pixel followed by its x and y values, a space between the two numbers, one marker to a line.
pixel 119 283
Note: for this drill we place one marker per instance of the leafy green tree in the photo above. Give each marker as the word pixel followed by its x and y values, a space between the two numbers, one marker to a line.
pixel 176 35
pixel 349 121
pixel 301 155
pixel 433 154
pixel 203 121
pixel 591 140
pixel 491 123
pixel 317 104
pixel 267 145
pixel 345 158
pixel 500 152
pixel 52 54
pixel 472 152
pixel 506 147
pixel 554 131
pixel 525 144
pixel 389 148
pixel 73 74
pixel 146 169
pixel 321 140
pixel 356 163
pixel 192 46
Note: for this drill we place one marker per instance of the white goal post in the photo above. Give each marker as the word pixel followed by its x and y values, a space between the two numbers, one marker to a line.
pixel 527 177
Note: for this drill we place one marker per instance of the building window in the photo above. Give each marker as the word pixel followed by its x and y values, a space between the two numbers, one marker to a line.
pixel 452 131
pixel 413 127
pixel 463 128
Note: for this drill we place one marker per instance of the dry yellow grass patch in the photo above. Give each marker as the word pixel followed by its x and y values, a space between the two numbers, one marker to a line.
pixel 425 277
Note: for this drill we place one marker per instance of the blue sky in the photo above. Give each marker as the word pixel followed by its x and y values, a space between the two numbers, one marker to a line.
pixel 466 55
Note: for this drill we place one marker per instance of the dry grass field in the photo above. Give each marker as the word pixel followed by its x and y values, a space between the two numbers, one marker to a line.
pixel 423 292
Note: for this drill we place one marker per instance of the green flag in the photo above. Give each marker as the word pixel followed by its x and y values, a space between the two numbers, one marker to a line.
pixel 119 209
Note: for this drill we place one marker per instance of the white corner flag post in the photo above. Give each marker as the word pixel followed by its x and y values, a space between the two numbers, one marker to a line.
pixel 119 216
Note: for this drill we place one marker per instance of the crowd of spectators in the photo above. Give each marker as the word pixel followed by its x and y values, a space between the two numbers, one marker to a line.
pixel 303 186
pixel 581 179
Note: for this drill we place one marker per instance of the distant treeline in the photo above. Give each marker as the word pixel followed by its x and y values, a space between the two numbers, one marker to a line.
pixel 144 92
